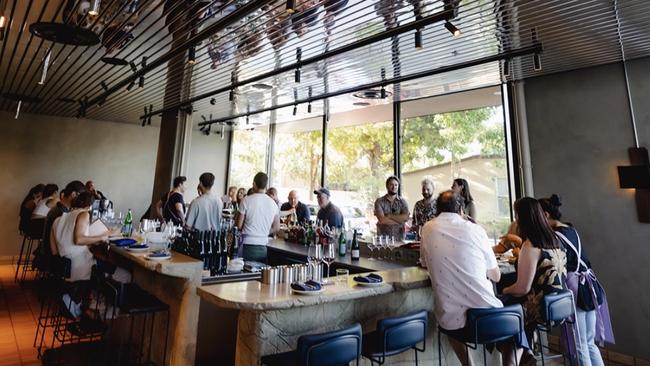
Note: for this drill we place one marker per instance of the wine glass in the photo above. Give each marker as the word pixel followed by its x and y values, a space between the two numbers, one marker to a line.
pixel 313 257
pixel 379 245
pixel 329 254
pixel 371 246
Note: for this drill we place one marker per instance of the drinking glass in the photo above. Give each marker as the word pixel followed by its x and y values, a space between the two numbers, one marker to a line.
pixel 329 254
pixel 342 275
pixel 371 246
pixel 380 244
pixel 313 257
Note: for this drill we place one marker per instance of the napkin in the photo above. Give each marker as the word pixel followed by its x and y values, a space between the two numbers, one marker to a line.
pixel 306 286
pixel 235 265
pixel 138 246
pixel 123 242
pixel 371 278
pixel 159 253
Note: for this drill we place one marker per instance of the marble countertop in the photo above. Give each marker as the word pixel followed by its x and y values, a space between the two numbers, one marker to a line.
pixel 254 295
pixel 179 265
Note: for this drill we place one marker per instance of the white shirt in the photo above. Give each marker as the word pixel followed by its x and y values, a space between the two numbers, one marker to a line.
pixel 81 259
pixel 457 254
pixel 259 212
pixel 205 213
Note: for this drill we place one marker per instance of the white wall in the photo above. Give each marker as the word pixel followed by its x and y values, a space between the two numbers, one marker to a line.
pixel 206 154
pixel 120 158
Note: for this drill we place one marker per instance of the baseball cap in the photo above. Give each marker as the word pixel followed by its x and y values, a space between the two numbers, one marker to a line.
pixel 322 190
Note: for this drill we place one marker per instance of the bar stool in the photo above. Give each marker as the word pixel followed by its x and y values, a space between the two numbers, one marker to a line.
pixel 396 335
pixel 34 234
pixel 558 309
pixel 488 326
pixel 326 349
pixel 54 288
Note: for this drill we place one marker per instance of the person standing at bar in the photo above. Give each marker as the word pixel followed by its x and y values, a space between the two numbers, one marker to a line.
pixel 258 216
pixel 174 206
pixel 424 209
pixel 230 198
pixel 392 211
pixel 293 204
pixel 273 193
pixel 329 214
pixel 205 210
pixel 461 186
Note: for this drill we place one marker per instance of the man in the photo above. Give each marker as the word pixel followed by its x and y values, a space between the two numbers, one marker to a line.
pixel 173 208
pixel 258 216
pixel 392 211
pixel 90 187
pixel 229 198
pixel 273 193
pixel 424 209
pixel 293 204
pixel 461 265
pixel 67 195
pixel 204 212
pixel 329 214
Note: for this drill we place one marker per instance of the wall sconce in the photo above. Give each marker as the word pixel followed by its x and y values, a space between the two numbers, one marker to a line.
pixel 637 176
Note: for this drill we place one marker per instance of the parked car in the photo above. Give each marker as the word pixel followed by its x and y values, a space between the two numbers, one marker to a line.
pixel 353 216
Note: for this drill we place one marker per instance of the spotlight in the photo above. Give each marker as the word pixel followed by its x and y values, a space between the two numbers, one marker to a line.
pixel 223 130
pixel 291 6
pixel 191 55
pixel 204 119
pixel 94 7
pixel 295 109
pixel 231 95
pixel 3 20
pixel 46 64
pixel 144 61
pixel 506 68
pixel 418 39
pixel 101 102
pixel 537 62
pixel 452 29
pixel 104 86
pixel 213 101
pixel 309 107
pixel 296 76
pixel 149 118
pixel 20 103
pixel 133 67
pixel 382 92
pixel 141 82
pixel 247 119
pixel 130 86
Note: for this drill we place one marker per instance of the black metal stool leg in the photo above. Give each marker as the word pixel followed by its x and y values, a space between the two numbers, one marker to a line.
pixel 541 346
pixel 20 258
pixel 439 350
pixel 416 356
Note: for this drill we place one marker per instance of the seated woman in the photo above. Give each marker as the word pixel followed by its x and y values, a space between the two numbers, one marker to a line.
pixel 50 198
pixel 591 307
pixel 28 205
pixel 542 262
pixel 509 241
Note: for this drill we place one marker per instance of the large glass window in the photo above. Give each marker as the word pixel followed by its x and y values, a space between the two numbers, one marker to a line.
pixel 248 156
pixel 468 143
pixel 359 159
pixel 297 158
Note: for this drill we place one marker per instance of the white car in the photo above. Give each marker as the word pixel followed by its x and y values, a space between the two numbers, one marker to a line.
pixel 353 217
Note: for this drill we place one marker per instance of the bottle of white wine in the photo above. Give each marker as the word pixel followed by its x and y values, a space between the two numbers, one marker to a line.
pixel 355 247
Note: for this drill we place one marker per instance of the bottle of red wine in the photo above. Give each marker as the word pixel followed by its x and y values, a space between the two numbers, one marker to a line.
pixel 355 247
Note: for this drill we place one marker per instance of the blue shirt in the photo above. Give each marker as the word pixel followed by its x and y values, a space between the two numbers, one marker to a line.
pixel 331 215
pixel 302 211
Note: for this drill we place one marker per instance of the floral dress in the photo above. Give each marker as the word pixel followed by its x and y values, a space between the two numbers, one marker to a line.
pixel 549 277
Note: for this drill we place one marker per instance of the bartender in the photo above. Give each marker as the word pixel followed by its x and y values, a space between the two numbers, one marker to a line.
pixel 392 211
pixel 293 205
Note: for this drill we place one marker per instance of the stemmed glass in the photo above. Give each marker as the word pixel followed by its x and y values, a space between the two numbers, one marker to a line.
pixel 329 254
pixel 313 257
pixel 371 246
pixel 380 244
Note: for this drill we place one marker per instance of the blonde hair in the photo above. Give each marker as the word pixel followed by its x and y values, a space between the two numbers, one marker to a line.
pixel 428 180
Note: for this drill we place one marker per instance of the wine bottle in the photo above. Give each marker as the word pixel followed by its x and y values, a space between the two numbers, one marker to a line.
pixel 342 244
pixel 127 229
pixel 355 246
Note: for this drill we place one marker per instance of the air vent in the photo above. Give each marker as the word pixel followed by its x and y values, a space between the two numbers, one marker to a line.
pixel 370 94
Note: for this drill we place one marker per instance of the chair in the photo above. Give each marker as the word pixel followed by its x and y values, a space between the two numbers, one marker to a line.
pixel 396 335
pixel 326 349
pixel 558 308
pixel 489 326
pixel 34 234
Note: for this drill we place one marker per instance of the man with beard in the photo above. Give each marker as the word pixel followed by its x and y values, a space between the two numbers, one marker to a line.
pixel 424 209
pixel 392 211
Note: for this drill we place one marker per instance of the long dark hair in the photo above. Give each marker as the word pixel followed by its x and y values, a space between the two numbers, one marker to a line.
pixel 551 206
pixel 467 196
pixel 533 226
pixel 32 191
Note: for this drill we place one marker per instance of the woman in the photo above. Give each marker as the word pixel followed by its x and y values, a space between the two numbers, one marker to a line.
pixel 587 292
pixel 461 186
pixel 28 205
pixel 49 200
pixel 241 193
pixel 542 262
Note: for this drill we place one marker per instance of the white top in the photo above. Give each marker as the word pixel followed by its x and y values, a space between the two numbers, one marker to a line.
pixel 205 212
pixel 259 212
pixel 41 208
pixel 457 254
pixel 80 256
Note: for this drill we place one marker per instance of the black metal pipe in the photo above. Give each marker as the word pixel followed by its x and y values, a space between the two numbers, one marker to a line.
pixel 443 15
pixel 192 41
pixel 440 70
pixel 397 141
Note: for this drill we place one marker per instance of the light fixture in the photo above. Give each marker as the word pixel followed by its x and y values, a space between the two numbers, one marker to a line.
pixel 94 7
pixel 223 130
pixel 133 67
pixel 452 29
pixel 309 92
pixel 131 85
pixel 291 6
pixel 247 118
pixel 191 55
pixel 296 76
pixel 46 64
pixel 231 95
pixel 634 176
pixel 418 38
pixel 20 103
pixel 506 68
pixel 141 82
pixel 298 59
pixel 382 92
pixel 295 109
pixel 537 62
pixel 213 101
pixel 104 86
pixel 204 119
pixel 101 102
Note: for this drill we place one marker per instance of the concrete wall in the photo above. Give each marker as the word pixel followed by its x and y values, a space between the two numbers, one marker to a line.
pixel 579 130
pixel 206 154
pixel 119 157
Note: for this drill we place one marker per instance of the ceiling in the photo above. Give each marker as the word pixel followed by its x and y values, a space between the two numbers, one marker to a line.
pixel 572 33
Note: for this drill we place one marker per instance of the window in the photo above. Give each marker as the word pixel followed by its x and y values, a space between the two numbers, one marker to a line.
pixel 462 137
pixel 297 158
pixel 359 159
pixel 248 156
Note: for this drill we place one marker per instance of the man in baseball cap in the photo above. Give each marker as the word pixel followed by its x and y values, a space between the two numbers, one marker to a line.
pixel 329 214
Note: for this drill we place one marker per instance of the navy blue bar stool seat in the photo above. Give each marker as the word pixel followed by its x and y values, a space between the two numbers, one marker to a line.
pixel 488 326
pixel 335 348
pixel 396 335
pixel 558 308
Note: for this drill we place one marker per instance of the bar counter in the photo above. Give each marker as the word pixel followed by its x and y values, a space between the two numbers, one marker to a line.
pixel 174 282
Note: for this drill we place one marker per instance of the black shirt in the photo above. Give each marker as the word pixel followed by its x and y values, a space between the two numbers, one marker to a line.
pixel 169 208
pixel 571 255
pixel 302 211
pixel 331 215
